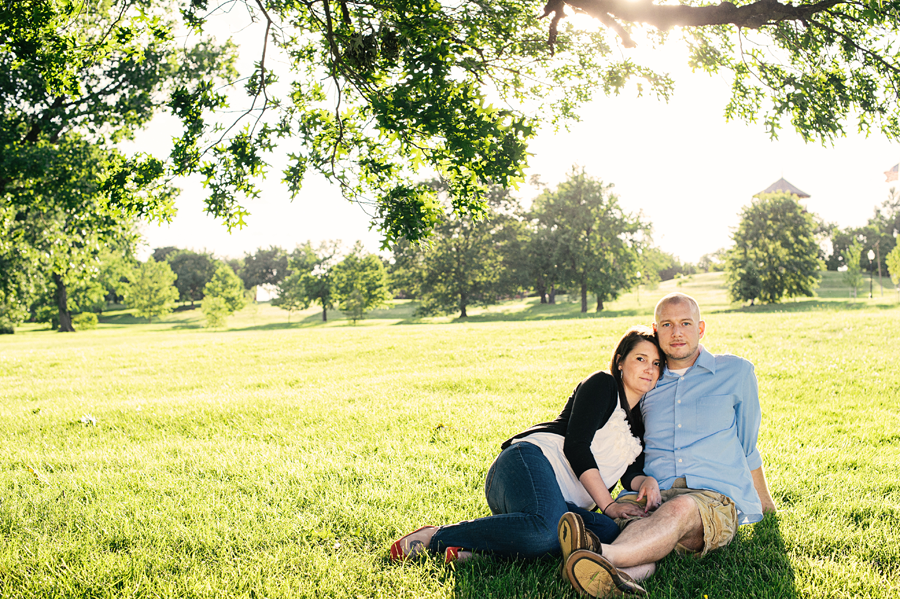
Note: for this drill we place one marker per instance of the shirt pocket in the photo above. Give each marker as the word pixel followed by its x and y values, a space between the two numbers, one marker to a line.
pixel 715 413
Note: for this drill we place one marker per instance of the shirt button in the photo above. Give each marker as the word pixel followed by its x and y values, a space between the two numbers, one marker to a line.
pixel 679 460
pixel 679 426
pixel 681 378
pixel 679 401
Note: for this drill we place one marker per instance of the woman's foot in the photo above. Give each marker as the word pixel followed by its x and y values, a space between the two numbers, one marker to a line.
pixel 412 544
pixel 456 555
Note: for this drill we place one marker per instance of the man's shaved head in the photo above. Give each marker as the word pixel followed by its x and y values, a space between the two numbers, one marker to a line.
pixel 677 298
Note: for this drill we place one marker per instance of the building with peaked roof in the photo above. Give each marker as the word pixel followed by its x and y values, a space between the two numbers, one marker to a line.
pixel 784 186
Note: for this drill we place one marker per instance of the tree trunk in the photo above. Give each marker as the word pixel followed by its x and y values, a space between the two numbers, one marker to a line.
pixel 463 300
pixel 584 298
pixel 62 301
pixel 541 288
pixel 324 314
pixel 599 304
pixel 552 298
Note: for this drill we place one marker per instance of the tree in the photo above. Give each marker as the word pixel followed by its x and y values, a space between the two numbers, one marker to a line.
pixel 541 260
pixel 226 285
pixel 775 253
pixel 853 275
pixel 264 267
pixel 99 70
pixel 408 85
pixel 893 264
pixel 594 240
pixel 58 219
pixel 310 278
pixel 164 253
pixel 215 311
pixel 466 261
pixel 76 79
pixel 360 283
pixel 151 293
pixel 117 263
pixel 712 262
pixel 291 294
pixel 194 271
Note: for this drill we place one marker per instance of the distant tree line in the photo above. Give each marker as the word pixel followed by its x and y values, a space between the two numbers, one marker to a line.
pixel 574 239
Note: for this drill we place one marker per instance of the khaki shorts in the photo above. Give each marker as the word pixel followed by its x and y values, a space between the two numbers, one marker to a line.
pixel 717 512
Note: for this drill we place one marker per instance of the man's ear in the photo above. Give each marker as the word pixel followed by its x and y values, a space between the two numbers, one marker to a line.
pixel 702 326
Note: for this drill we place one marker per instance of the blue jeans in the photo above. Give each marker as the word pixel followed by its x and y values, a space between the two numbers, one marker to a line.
pixel 527 504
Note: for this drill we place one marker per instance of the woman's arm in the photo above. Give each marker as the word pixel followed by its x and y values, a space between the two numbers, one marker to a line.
pixel 592 404
pixel 596 488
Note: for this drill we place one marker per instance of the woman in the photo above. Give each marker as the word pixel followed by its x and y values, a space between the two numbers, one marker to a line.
pixel 568 465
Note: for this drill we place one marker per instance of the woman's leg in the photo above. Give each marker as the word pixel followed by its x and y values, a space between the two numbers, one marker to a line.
pixel 527 504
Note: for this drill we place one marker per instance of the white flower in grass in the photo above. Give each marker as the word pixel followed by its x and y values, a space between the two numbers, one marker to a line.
pixel 87 419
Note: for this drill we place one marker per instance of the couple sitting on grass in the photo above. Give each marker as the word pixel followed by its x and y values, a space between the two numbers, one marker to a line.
pixel 675 423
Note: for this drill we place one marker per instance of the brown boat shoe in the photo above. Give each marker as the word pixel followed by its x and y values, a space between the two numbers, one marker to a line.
pixel 593 575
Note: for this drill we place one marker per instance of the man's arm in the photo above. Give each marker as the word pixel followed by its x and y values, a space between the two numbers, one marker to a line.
pixel 762 489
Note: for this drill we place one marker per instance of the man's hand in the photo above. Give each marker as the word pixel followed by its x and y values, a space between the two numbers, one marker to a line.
pixel 649 490
pixel 762 489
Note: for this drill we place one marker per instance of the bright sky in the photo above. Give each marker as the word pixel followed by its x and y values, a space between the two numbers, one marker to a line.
pixel 679 162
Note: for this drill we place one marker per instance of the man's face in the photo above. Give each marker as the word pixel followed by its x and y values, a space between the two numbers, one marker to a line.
pixel 680 332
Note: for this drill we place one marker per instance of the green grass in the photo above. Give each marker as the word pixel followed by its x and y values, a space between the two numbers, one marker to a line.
pixel 275 460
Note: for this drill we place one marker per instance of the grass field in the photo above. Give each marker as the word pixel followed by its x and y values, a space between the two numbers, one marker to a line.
pixel 276 460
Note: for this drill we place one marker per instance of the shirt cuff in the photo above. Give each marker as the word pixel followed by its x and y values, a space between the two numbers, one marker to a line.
pixel 754 460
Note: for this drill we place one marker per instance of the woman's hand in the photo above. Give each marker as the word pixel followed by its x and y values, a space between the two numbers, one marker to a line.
pixel 649 490
pixel 624 510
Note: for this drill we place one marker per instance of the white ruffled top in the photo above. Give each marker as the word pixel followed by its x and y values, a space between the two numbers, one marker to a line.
pixel 614 447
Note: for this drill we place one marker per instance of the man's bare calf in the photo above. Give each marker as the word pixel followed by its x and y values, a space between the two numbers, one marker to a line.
pixel 651 539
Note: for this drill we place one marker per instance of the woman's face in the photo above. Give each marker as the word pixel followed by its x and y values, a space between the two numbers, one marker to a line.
pixel 640 371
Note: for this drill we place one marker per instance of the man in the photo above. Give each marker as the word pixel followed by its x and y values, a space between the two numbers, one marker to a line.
pixel 701 422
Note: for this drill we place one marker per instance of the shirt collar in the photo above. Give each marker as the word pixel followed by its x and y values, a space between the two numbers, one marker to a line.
pixel 705 360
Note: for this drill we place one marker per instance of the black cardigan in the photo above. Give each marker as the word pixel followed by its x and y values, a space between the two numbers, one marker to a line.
pixel 586 411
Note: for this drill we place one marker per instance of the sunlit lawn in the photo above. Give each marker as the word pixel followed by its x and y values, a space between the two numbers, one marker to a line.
pixel 270 460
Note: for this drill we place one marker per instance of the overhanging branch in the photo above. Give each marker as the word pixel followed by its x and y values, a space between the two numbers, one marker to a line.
pixel 750 16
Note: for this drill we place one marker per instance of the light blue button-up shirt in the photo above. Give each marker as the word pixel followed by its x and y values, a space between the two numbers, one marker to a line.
pixel 703 426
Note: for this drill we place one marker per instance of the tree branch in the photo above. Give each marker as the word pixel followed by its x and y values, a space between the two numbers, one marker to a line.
pixel 751 16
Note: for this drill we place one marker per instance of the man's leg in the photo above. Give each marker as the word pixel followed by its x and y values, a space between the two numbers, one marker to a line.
pixel 645 541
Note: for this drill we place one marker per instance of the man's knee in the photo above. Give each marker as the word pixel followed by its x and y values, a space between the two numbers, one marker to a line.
pixel 682 507
pixel 687 513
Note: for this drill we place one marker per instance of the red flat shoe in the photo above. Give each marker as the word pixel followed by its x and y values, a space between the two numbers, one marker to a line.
pixel 402 549
pixel 452 554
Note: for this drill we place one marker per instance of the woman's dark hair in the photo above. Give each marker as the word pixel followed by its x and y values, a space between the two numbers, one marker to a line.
pixel 629 340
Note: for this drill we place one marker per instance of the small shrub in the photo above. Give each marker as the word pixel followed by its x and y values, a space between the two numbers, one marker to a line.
pixel 215 311
pixel 86 321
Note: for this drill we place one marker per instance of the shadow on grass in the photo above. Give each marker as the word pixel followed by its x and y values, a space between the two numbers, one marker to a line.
pixel 811 305
pixel 755 564
pixel 480 578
